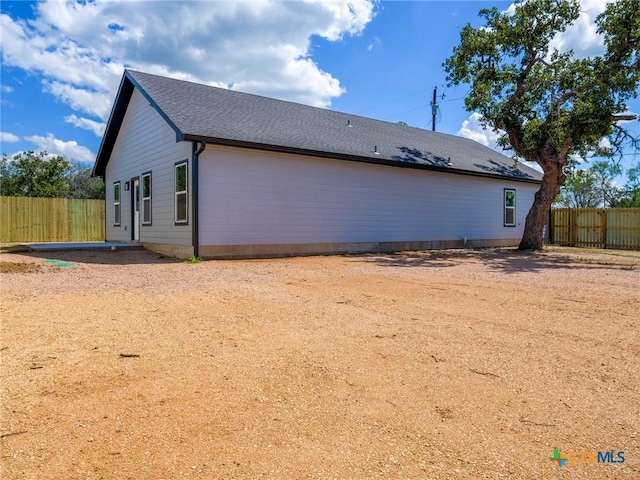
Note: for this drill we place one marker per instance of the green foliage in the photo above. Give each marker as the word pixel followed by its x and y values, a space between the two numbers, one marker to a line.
pixel 38 174
pixel 595 187
pixel 604 173
pixel 548 106
pixel 194 259
pixel 83 185
pixel 630 197
pixel 34 174
pixel 578 191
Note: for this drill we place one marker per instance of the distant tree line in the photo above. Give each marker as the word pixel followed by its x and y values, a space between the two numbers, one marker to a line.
pixel 38 174
pixel 595 187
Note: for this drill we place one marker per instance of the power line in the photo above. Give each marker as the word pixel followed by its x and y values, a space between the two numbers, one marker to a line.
pixel 391 101
pixel 441 98
pixel 407 111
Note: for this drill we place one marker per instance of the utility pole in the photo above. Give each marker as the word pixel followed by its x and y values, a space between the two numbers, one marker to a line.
pixel 434 109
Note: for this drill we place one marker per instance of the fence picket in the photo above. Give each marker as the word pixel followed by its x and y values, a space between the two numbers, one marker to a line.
pixel 29 219
pixel 617 228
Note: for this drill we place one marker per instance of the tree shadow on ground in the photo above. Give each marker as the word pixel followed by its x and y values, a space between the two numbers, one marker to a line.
pixel 102 257
pixel 506 260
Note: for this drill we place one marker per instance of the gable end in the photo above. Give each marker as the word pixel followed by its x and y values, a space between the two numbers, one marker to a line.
pixel 127 85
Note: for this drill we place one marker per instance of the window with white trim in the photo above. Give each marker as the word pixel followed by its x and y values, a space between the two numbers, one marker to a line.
pixel 116 203
pixel 181 193
pixel 509 207
pixel 146 198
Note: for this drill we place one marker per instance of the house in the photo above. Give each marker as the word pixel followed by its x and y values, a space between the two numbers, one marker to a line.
pixel 192 169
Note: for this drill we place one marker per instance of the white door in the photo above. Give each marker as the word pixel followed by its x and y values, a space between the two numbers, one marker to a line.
pixel 136 209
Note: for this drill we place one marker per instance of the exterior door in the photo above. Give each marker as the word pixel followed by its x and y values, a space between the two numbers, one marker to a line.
pixel 135 209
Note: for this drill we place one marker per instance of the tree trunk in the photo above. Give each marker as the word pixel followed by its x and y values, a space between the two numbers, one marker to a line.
pixel 533 235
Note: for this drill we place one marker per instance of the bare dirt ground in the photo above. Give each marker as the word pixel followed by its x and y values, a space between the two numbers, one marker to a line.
pixel 433 365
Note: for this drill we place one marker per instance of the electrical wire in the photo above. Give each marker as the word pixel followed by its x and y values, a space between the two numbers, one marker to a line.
pixel 391 101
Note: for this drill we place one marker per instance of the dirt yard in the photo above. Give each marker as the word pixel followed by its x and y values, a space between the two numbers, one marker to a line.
pixel 435 365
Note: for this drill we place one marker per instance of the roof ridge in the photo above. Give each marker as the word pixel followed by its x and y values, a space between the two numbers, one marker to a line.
pixel 225 116
pixel 273 99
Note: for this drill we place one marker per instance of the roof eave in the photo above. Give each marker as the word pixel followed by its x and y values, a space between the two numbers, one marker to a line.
pixel 113 126
pixel 350 158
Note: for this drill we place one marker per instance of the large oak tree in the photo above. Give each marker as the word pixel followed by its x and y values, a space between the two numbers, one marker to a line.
pixel 550 106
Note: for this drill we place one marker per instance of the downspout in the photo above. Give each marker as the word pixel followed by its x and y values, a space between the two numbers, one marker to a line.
pixel 195 154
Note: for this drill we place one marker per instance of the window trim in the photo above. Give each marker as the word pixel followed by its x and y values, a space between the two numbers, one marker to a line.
pixel 117 204
pixel 143 198
pixel 507 207
pixel 185 192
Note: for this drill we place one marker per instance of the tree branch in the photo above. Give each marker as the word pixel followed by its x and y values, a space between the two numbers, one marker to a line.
pixel 618 118
pixel 566 148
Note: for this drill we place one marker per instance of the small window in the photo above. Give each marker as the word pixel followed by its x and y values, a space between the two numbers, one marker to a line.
pixel 146 198
pixel 181 196
pixel 116 203
pixel 509 207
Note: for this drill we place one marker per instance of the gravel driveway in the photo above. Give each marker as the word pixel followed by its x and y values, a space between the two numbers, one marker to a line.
pixel 433 365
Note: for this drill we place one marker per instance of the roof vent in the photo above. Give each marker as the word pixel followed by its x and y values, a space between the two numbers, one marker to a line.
pixel 349 124
pixel 375 150
pixel 449 161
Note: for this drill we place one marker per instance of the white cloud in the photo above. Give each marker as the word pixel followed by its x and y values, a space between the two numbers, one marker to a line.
pixel 511 10
pixel 581 37
pixel 8 137
pixel 261 46
pixel 88 124
pixel 69 150
pixel 472 128
pixel 376 41
pixel 80 98
pixel 5 89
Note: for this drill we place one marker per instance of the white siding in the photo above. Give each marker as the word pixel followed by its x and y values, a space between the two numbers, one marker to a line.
pixel 252 197
pixel 146 143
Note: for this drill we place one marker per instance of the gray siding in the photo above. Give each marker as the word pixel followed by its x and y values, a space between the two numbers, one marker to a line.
pixel 146 143
pixel 252 197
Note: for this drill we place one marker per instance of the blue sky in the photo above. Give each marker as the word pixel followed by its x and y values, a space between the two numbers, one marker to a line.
pixel 62 61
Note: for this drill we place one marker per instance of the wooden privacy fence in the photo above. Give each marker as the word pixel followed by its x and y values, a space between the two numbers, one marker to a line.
pixel 30 219
pixel 596 227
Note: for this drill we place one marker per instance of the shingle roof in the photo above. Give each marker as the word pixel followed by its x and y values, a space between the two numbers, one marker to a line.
pixel 201 112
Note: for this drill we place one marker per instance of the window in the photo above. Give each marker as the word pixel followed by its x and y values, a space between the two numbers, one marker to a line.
pixel 181 196
pixel 509 207
pixel 116 203
pixel 146 198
